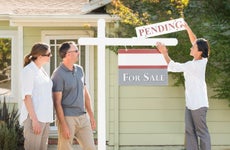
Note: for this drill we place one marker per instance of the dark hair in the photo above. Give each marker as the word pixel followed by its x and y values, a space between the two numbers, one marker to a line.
pixel 65 47
pixel 203 46
pixel 37 50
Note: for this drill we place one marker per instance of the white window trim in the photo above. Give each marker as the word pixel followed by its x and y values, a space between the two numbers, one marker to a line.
pixel 16 65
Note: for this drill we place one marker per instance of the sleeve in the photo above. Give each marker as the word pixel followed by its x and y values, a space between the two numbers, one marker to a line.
pixel 27 82
pixel 177 67
pixel 58 82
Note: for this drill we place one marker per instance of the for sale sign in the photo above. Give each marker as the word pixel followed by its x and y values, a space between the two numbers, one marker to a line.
pixel 160 28
pixel 142 67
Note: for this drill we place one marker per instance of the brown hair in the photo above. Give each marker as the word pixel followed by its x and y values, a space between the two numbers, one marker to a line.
pixel 65 47
pixel 37 50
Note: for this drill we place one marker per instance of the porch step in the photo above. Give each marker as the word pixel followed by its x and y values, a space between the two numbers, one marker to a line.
pixel 53 133
pixel 54 141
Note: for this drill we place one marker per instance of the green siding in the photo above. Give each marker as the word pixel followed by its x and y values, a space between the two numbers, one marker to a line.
pixel 154 115
pixel 4 25
pixel 143 115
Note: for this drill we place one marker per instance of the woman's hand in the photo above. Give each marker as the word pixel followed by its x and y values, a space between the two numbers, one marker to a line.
pixel 36 127
pixel 162 48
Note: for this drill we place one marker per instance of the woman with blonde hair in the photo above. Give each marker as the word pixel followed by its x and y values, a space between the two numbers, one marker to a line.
pixel 37 108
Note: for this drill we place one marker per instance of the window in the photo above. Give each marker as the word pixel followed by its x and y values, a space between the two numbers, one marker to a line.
pixel 56 60
pixel 5 66
pixel 11 61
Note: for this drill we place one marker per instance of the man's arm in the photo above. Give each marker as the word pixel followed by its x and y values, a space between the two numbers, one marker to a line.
pixel 88 108
pixel 57 97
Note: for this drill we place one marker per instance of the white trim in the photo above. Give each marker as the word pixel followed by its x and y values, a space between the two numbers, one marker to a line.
pixel 16 64
pixel 129 41
pixel 146 59
pixel 76 33
pixel 20 63
pixel 58 21
pixel 89 72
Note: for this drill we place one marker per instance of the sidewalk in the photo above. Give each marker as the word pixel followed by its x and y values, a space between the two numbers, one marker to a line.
pixel 77 147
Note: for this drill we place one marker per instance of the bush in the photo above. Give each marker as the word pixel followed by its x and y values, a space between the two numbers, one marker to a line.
pixel 8 137
pixel 11 133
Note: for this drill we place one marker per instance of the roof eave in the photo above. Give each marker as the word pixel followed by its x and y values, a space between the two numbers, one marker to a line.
pixel 94 5
pixel 4 17
pixel 60 20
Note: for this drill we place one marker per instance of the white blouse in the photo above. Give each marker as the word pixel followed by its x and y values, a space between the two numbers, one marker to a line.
pixel 195 85
pixel 37 83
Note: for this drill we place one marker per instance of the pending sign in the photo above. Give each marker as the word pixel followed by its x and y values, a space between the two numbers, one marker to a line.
pixel 142 67
pixel 160 28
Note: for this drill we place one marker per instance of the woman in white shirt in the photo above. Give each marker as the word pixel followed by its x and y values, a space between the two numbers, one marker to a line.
pixel 195 91
pixel 37 108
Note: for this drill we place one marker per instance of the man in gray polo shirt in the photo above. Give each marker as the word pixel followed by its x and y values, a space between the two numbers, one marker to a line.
pixel 72 100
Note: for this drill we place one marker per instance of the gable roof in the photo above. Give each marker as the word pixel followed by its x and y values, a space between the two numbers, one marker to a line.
pixel 49 7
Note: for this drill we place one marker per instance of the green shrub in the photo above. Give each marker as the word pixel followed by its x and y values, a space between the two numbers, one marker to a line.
pixel 8 137
pixel 11 133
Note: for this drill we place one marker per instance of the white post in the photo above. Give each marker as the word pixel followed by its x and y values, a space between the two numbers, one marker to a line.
pixel 101 87
pixel 128 41
pixel 101 41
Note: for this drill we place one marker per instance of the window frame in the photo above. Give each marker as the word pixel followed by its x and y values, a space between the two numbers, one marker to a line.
pixel 16 65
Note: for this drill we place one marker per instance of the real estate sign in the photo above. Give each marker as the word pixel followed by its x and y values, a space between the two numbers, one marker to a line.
pixel 142 67
pixel 160 28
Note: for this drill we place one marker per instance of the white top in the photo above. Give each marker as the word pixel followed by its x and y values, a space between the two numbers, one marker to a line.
pixel 195 85
pixel 37 83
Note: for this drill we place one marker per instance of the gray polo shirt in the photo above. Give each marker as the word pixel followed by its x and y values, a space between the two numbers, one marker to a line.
pixel 71 84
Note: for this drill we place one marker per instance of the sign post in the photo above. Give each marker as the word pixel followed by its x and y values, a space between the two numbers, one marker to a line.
pixel 101 41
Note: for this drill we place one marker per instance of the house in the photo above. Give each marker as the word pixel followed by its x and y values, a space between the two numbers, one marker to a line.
pixel 138 117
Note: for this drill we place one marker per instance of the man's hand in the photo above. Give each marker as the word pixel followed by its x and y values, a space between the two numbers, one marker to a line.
pixel 65 131
pixel 93 123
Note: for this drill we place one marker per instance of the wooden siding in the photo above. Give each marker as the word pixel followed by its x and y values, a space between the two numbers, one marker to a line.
pixel 154 115
pixel 33 35
pixel 145 115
